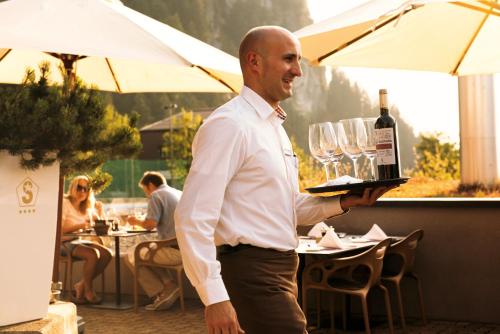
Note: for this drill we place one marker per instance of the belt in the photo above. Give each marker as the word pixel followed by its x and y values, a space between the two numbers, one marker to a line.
pixel 228 249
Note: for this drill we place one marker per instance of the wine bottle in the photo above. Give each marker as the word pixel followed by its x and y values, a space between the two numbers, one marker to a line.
pixel 386 135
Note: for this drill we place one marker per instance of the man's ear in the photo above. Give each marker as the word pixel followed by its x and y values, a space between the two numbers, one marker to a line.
pixel 253 59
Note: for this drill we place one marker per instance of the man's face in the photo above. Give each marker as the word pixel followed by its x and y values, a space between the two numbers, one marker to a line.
pixel 148 189
pixel 280 65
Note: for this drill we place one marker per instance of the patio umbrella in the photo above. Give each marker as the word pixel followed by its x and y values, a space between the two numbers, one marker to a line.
pixel 111 46
pixel 455 37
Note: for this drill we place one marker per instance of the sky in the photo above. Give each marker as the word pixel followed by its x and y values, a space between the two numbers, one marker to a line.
pixel 427 101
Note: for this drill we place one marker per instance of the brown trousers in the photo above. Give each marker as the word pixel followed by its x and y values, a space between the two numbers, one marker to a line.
pixel 263 289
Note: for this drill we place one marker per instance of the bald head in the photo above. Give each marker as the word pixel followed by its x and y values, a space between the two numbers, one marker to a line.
pixel 260 39
pixel 270 61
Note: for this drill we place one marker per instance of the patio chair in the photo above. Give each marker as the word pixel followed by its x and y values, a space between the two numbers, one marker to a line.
pixel 354 275
pixel 398 264
pixel 68 262
pixel 150 263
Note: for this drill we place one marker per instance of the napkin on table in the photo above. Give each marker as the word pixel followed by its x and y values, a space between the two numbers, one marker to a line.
pixel 316 231
pixel 375 234
pixel 332 240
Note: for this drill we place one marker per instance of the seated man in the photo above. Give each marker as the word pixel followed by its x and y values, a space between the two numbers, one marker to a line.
pixel 158 283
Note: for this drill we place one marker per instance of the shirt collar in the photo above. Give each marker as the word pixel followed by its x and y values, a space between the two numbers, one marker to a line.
pixel 263 109
pixel 161 186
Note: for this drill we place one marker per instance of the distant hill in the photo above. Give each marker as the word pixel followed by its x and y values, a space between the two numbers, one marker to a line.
pixel 222 23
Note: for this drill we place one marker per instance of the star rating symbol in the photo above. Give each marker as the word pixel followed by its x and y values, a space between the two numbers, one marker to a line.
pixel 27 211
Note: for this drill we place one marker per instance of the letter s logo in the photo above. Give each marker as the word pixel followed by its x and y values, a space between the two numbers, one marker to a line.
pixel 28 193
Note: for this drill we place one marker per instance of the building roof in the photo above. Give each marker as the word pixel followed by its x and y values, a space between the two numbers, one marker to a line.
pixel 164 124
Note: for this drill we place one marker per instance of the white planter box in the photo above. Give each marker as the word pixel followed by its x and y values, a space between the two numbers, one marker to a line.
pixel 28 215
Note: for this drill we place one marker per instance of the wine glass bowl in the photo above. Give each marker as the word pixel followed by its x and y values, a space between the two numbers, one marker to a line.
pixel 323 144
pixel 348 132
pixel 368 142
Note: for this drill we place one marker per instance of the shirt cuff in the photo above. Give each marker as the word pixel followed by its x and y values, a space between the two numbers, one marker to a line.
pixel 332 207
pixel 212 291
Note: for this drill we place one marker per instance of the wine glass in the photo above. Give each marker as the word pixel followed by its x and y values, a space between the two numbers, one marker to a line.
pixel 338 154
pixel 348 139
pixel 367 142
pixel 322 143
pixel 139 213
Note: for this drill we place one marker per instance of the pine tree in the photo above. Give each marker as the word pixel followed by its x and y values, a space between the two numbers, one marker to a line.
pixel 73 126
pixel 177 145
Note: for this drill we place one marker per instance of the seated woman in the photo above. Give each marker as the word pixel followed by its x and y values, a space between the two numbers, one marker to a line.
pixel 79 207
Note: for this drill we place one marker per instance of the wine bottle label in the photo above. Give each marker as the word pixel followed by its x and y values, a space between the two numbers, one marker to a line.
pixel 385 146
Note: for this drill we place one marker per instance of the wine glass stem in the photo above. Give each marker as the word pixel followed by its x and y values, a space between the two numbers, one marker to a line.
pixel 372 166
pixel 336 166
pixel 355 168
pixel 327 171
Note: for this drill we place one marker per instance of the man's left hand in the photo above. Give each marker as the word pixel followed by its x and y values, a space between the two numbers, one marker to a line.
pixel 368 198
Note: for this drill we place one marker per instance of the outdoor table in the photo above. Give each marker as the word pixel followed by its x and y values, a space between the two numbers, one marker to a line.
pixel 118 304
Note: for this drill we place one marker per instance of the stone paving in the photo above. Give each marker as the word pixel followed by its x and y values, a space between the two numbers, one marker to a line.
pixel 99 321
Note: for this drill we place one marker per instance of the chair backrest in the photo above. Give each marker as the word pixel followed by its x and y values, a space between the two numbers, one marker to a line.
pixel 328 271
pixel 374 258
pixel 405 249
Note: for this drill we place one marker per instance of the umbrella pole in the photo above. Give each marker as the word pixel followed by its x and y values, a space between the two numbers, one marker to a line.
pixel 56 287
pixel 56 284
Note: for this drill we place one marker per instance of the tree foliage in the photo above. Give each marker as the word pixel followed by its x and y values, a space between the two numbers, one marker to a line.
pixel 43 123
pixel 223 23
pixel 310 172
pixel 437 159
pixel 177 144
pixel 99 180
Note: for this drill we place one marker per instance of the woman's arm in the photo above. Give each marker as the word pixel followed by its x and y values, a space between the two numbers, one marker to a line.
pixel 69 226
pixel 98 211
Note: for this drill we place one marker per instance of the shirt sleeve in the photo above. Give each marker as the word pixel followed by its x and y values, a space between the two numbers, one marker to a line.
pixel 218 152
pixel 312 209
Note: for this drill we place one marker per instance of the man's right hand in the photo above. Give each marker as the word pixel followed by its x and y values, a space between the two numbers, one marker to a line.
pixel 221 319
pixel 132 220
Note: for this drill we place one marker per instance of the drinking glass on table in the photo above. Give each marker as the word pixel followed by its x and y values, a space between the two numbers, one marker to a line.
pixel 367 142
pixel 322 144
pixel 348 139
pixel 139 213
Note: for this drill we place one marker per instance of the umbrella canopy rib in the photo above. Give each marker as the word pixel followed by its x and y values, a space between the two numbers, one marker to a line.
pixel 5 53
pixel 216 78
pixel 493 10
pixel 118 89
pixel 464 53
pixel 491 3
pixel 375 28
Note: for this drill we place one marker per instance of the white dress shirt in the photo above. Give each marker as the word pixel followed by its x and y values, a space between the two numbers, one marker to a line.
pixel 242 188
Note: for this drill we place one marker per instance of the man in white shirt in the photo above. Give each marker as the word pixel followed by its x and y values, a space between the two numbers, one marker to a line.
pixel 242 196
